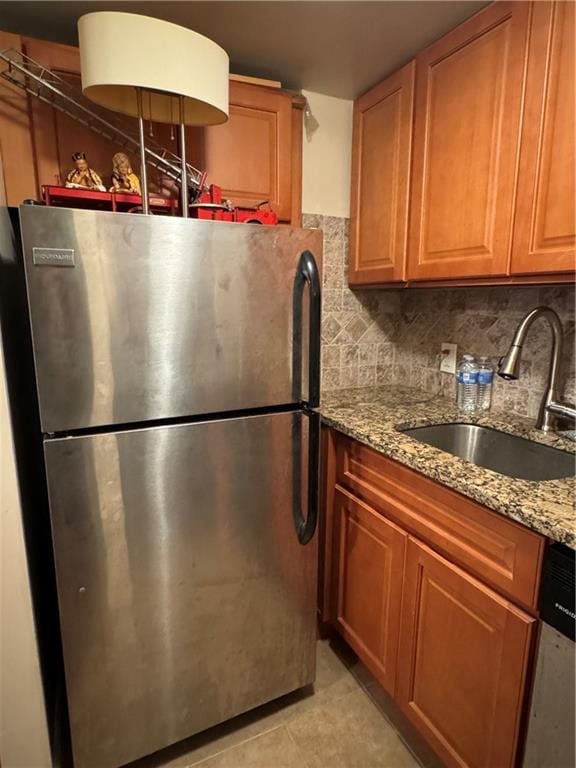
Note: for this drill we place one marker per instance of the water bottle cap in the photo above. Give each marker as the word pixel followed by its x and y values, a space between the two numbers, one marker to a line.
pixel 468 357
pixel 483 357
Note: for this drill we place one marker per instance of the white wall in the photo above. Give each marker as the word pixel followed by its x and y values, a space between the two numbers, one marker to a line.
pixel 326 156
pixel 23 729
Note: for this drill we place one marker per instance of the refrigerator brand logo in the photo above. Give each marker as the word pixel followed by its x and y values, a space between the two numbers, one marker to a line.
pixel 53 257
pixel 567 611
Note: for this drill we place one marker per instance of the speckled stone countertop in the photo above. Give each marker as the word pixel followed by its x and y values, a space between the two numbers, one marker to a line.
pixel 373 416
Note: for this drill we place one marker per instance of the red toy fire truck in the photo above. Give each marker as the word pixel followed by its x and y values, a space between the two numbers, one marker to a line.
pixel 210 205
pixel 207 205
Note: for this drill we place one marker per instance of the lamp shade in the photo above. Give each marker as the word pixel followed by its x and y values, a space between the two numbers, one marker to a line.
pixel 120 52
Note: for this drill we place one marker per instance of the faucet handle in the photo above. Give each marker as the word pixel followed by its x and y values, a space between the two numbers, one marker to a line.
pixel 564 410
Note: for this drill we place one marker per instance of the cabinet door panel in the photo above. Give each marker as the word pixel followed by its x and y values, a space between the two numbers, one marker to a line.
pixel 545 227
pixel 464 654
pixel 46 123
pixel 16 149
pixel 370 565
pixel 250 155
pixel 381 167
pixel 467 112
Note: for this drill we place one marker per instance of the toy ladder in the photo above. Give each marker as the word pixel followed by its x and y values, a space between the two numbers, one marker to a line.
pixel 46 85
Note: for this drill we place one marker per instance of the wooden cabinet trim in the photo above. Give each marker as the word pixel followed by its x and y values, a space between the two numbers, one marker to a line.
pixel 494 713
pixel 552 278
pixel 501 552
pixel 326 569
pixel 373 262
pixel 557 278
pixel 296 161
pixel 356 521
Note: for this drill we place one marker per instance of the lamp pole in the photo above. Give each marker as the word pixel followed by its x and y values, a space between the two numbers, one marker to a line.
pixel 143 172
pixel 184 178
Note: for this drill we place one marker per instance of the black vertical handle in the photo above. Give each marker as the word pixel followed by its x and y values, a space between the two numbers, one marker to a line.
pixel 306 527
pixel 307 272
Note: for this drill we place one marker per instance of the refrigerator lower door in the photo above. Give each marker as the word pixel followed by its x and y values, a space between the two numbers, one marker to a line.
pixel 186 596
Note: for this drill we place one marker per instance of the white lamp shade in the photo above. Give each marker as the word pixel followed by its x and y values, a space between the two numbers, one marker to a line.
pixel 120 52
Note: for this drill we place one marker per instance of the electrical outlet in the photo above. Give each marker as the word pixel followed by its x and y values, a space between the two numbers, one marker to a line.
pixel 448 357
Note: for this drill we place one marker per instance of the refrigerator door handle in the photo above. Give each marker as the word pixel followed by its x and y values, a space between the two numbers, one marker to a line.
pixel 306 527
pixel 307 272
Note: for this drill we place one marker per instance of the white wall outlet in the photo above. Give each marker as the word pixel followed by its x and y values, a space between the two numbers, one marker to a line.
pixel 448 357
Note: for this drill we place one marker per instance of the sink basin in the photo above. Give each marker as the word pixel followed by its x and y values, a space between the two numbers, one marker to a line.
pixel 489 448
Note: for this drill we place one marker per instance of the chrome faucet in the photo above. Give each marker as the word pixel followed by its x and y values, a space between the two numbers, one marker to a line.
pixel 509 368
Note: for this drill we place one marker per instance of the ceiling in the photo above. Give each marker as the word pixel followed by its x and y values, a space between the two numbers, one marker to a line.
pixel 336 48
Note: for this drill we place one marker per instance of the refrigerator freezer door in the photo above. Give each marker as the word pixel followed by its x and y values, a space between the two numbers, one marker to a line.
pixel 147 317
pixel 185 594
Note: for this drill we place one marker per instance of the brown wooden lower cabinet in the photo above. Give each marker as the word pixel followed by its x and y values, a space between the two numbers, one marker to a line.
pixel 453 652
pixel 463 662
pixel 370 564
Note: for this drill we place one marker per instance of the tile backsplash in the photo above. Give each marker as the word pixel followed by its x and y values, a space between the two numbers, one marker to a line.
pixel 394 336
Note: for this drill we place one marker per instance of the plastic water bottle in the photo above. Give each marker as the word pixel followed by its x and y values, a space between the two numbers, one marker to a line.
pixel 467 378
pixel 485 376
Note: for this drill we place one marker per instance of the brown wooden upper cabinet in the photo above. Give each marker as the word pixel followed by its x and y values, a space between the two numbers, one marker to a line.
pixel 468 107
pixel 382 142
pixel 255 157
pixel 492 153
pixel 545 226
pixel 250 155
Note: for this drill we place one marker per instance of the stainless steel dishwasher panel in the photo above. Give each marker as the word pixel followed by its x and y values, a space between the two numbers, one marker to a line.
pixel 550 741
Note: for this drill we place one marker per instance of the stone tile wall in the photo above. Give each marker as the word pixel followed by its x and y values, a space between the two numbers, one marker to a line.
pixel 388 336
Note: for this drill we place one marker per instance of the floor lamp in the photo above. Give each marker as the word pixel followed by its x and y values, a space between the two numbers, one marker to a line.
pixel 190 80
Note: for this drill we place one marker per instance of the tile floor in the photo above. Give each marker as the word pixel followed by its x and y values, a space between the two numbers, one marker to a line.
pixel 345 721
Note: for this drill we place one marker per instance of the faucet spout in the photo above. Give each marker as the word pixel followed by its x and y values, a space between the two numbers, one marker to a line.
pixel 550 408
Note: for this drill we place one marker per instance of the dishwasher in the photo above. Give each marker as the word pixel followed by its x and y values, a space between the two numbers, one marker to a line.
pixel 550 741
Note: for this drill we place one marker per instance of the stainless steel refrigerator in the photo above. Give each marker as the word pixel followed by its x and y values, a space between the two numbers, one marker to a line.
pixel 177 370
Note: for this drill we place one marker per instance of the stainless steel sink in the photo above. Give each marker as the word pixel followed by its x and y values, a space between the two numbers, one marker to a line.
pixel 498 451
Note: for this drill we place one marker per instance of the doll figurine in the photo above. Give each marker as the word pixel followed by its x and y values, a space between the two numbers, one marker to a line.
pixel 82 176
pixel 123 179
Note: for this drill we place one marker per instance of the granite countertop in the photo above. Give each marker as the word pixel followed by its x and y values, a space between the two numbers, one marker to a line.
pixel 373 415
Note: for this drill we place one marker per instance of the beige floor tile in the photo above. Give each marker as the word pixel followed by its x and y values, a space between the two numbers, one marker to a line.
pixel 226 735
pixel 274 749
pixel 333 675
pixel 359 672
pixel 349 732
pixel 403 727
pixel 386 706
pixel 333 680
pixel 335 724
